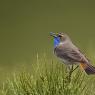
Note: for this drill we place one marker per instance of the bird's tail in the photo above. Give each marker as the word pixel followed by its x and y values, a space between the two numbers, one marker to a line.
pixel 89 69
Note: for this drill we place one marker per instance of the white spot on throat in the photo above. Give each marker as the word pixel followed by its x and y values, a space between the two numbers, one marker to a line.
pixel 61 43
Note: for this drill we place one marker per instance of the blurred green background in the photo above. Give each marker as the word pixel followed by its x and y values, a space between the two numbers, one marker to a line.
pixel 25 26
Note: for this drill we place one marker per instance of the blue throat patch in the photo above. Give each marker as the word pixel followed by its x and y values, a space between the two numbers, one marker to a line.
pixel 56 41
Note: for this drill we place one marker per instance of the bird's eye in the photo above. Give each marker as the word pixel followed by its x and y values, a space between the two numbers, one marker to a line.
pixel 60 36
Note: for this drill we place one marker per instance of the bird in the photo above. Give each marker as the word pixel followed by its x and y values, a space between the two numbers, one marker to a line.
pixel 70 54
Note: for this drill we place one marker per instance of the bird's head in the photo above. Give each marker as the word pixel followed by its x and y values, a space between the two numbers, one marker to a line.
pixel 59 38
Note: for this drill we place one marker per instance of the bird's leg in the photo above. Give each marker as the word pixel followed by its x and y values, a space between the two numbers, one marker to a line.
pixel 70 73
pixel 75 68
pixel 72 69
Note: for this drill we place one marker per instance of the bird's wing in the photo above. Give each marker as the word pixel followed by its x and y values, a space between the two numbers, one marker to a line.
pixel 75 55
pixel 71 55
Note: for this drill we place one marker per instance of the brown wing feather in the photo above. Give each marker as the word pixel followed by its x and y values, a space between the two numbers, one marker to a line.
pixel 71 55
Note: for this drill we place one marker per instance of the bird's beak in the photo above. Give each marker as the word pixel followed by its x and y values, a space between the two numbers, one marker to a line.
pixel 53 34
